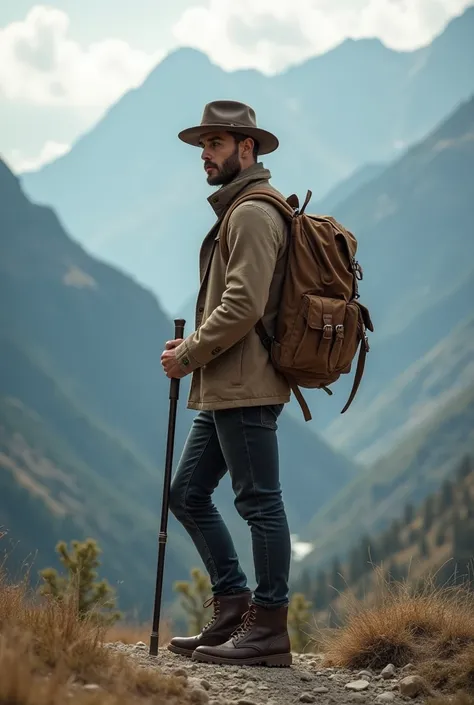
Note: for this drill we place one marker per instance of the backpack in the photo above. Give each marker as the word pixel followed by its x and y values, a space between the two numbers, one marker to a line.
pixel 320 323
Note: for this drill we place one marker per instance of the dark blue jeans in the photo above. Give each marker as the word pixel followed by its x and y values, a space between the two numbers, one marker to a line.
pixel 244 442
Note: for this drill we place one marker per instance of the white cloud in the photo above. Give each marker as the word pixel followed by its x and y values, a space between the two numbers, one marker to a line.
pixel 51 150
pixel 270 34
pixel 41 64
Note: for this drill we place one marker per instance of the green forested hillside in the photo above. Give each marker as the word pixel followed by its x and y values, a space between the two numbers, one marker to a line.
pixel 414 468
pixel 433 539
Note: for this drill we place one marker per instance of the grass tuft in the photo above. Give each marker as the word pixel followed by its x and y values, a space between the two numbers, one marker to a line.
pixel 431 627
pixel 48 654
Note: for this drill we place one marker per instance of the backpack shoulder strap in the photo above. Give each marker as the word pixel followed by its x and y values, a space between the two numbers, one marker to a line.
pixel 274 199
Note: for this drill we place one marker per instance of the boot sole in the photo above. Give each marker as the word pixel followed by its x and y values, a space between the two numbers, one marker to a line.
pixel 273 661
pixel 180 651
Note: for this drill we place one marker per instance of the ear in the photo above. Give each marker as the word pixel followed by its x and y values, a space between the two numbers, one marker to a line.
pixel 247 146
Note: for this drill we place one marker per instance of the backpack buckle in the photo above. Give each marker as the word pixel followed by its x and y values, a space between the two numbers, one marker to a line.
pixel 327 331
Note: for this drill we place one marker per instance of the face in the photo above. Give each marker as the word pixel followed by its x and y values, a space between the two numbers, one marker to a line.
pixel 223 158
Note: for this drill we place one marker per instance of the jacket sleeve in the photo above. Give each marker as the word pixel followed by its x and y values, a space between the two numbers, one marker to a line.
pixel 253 240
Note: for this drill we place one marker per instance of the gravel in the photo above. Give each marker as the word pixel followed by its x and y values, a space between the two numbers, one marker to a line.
pixel 306 681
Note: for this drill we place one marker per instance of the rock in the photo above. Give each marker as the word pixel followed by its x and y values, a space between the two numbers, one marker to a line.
pixel 321 690
pixel 307 698
pixel 246 701
pixel 179 672
pixel 366 675
pixel 408 667
pixel 357 685
pixel 411 686
pixel 205 684
pixel 141 645
pixel 388 672
pixel 385 698
pixel 198 696
pixel 92 687
pixel 357 698
pixel 306 677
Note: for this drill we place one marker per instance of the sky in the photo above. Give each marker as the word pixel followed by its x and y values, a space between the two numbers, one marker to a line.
pixel 63 64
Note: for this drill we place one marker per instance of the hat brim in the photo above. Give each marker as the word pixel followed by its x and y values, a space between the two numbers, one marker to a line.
pixel 266 140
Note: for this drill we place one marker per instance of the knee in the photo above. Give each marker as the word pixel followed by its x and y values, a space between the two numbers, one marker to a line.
pixel 187 500
pixel 177 501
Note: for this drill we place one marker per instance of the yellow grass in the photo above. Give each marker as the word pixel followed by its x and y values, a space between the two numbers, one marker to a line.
pixel 432 628
pixel 47 655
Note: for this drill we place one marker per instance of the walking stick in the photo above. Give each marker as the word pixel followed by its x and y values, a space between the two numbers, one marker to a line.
pixel 174 396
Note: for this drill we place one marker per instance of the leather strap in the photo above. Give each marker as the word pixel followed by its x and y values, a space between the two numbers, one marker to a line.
pixel 358 374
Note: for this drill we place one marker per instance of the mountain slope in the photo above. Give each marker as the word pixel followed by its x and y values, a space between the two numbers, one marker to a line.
pixel 415 244
pixel 82 388
pixel 145 191
pixel 409 472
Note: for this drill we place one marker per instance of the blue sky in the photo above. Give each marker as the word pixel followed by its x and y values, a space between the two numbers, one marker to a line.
pixel 63 64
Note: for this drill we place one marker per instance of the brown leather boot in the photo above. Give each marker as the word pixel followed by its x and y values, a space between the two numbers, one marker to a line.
pixel 261 640
pixel 228 614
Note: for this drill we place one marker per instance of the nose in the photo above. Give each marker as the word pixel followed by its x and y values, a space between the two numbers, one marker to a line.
pixel 205 156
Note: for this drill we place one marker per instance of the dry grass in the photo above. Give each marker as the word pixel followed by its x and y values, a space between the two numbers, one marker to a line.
pixel 433 628
pixel 47 655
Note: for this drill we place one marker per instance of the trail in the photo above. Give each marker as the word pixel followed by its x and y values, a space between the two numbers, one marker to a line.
pixel 306 681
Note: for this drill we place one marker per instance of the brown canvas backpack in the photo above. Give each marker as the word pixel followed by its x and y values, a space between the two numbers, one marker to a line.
pixel 320 322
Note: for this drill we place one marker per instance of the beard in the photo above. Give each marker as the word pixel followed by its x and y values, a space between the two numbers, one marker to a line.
pixel 227 172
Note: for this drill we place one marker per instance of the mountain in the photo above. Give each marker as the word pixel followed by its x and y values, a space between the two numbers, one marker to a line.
pixel 432 538
pixel 84 411
pixel 415 467
pixel 415 244
pixel 348 186
pixel 133 195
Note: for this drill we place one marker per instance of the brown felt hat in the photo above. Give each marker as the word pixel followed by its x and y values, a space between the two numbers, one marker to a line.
pixel 231 116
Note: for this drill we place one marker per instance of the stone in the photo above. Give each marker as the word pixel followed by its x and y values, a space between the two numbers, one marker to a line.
pixel 358 698
pixel 411 686
pixel 385 698
pixel 307 698
pixel 179 672
pixel 321 690
pixel 246 701
pixel 388 672
pixel 198 696
pixel 357 685
pixel 306 677
pixel 408 667
pixel 141 645
pixel 366 675
pixel 92 686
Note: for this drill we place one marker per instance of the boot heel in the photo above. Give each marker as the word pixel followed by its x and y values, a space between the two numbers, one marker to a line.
pixel 278 660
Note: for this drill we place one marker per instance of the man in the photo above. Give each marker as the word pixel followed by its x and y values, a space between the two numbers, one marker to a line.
pixel 239 396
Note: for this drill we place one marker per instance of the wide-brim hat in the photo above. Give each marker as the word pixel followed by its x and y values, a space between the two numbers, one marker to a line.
pixel 231 116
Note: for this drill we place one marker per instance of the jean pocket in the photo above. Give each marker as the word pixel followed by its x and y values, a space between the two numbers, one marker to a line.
pixel 269 414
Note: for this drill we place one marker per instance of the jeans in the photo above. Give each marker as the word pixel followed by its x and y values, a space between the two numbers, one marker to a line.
pixel 243 441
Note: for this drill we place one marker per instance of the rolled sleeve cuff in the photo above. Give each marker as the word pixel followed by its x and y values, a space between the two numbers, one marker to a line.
pixel 186 361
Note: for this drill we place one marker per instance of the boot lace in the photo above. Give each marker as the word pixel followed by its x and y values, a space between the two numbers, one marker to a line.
pixel 208 603
pixel 248 620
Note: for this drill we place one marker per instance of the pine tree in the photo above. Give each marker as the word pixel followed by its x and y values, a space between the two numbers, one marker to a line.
pixel 423 547
pixel 337 581
pixel 194 599
pixel 409 513
pixel 299 618
pixel 447 495
pixel 465 468
pixel 428 513
pixel 321 593
pixel 93 599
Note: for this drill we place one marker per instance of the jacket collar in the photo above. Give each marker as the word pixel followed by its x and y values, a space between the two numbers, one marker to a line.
pixel 221 199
